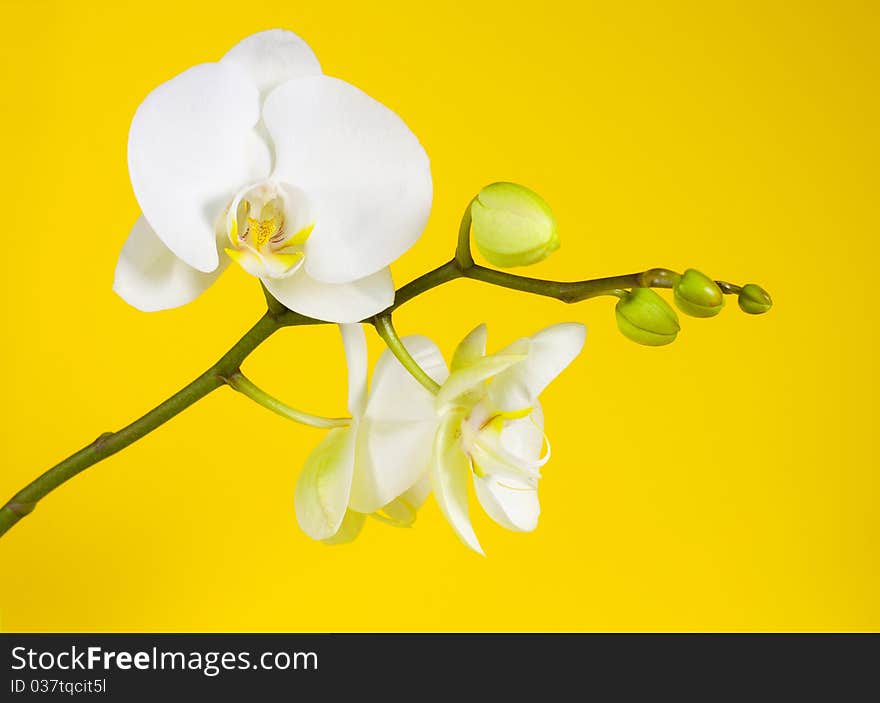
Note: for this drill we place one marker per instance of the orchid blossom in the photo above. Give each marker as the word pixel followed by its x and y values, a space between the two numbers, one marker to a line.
pixel 484 421
pixel 378 465
pixel 314 188
pixel 491 427
pixel 305 181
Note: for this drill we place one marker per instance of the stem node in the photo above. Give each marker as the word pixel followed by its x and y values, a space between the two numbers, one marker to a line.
pixel 21 509
pixel 101 439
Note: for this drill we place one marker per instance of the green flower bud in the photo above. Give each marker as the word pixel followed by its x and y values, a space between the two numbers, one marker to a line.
pixel 754 300
pixel 698 295
pixel 513 226
pixel 645 318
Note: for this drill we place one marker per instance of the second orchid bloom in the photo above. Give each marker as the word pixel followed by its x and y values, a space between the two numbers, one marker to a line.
pixel 484 427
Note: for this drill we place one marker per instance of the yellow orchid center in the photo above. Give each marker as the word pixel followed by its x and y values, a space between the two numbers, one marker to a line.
pixel 269 226
pixel 266 231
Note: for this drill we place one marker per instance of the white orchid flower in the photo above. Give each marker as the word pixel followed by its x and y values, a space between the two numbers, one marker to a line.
pixel 491 427
pixel 379 464
pixel 307 182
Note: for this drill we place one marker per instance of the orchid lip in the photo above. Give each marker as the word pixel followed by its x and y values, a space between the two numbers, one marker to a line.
pixel 480 437
pixel 267 227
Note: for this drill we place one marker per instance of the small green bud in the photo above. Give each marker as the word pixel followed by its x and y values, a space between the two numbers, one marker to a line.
pixel 645 318
pixel 513 226
pixel 754 300
pixel 698 295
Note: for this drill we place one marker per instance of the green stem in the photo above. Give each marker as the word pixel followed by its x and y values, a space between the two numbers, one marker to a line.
pixel 386 331
pixel 440 275
pixel 463 257
pixel 226 370
pixel 572 291
pixel 244 385
pixel 109 443
pixel 566 291
pixel 462 265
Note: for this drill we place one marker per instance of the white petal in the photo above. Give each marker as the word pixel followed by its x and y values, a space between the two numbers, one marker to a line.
pixel 394 442
pixel 471 349
pixel 149 277
pixel 355 344
pixel 397 513
pixel 395 396
pixel 351 527
pixel 191 146
pixel 364 171
pixel 322 491
pixel 390 458
pixel 450 470
pixel 463 382
pixel 334 302
pixel 550 351
pixel 511 503
pixel 418 492
pixel 402 511
pixel 524 438
pixel 273 57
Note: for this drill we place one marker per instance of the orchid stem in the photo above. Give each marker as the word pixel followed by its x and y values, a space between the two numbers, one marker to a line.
pixel 566 291
pixel 462 265
pixel 463 257
pixel 227 371
pixel 107 444
pixel 245 386
pixel 386 331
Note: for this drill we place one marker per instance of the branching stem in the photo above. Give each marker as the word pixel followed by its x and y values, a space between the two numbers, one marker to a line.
pixel 227 369
pixel 245 386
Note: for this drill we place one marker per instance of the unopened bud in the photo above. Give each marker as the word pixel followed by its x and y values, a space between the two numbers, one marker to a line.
pixel 645 318
pixel 754 300
pixel 513 226
pixel 698 295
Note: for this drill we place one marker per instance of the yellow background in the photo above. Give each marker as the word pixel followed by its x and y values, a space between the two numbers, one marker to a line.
pixel 728 481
